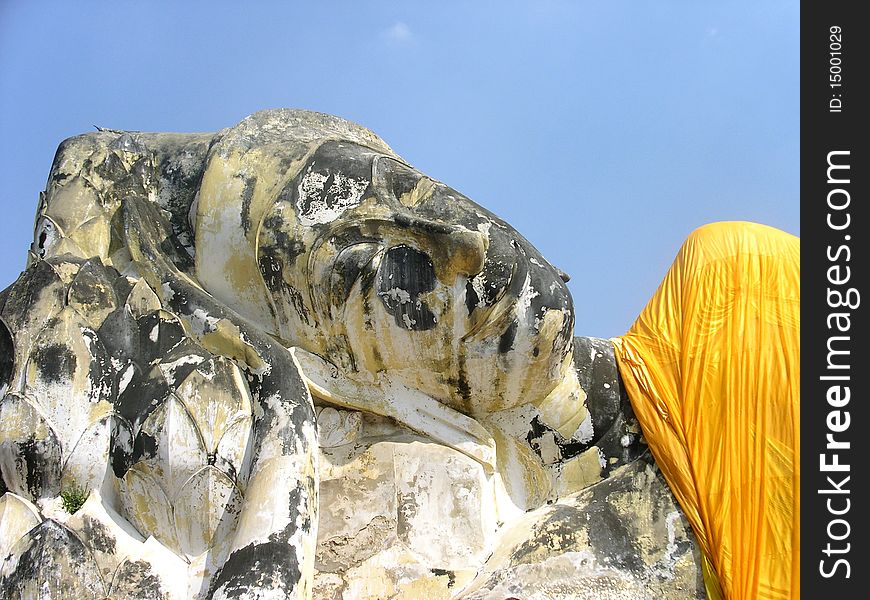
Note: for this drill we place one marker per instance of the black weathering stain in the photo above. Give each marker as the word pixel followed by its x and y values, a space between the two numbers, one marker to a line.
pixel 237 576
pixel 139 574
pixel 276 558
pixel 56 362
pixel 506 341
pixel 606 533
pixel 42 546
pixel 144 447
pixel 42 458
pixel 451 576
pixel 247 196
pixel 471 297
pixel 611 537
pixel 406 274
pixel 7 352
pixel 98 535
pixel 495 278
pixel 283 244
pixel 400 179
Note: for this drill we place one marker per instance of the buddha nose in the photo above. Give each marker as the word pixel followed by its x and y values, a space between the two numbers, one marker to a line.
pixel 516 288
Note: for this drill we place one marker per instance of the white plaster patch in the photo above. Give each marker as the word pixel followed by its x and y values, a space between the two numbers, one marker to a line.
pixel 478 284
pixel 52 508
pixel 525 299
pixel 549 450
pixel 585 431
pixel 666 567
pixel 201 322
pixel 602 460
pixel 398 294
pixel 670 523
pixel 345 191
pixel 126 378
pixel 169 368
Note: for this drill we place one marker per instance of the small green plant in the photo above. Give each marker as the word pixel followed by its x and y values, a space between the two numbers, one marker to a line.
pixel 73 498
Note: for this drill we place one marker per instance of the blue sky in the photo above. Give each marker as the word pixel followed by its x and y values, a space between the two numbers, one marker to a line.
pixel 604 131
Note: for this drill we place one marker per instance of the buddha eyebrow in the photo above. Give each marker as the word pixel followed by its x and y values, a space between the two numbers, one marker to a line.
pixel 403 220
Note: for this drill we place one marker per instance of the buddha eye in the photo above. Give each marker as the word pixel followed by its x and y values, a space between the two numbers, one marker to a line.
pixel 403 276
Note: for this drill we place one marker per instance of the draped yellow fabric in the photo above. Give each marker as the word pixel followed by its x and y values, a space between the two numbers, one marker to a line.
pixel 712 368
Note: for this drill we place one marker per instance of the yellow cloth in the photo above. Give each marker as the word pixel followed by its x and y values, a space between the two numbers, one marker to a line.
pixel 712 368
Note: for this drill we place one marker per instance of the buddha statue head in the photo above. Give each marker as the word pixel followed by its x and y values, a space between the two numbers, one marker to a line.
pixel 318 232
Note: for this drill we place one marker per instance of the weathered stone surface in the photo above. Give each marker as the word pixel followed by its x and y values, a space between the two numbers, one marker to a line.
pixel 624 537
pixel 282 362
pixel 50 561
pixel 17 517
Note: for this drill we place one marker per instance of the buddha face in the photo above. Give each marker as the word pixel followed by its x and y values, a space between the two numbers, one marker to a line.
pixel 380 269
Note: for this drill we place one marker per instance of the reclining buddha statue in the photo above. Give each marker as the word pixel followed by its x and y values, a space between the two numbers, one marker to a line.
pixel 277 361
